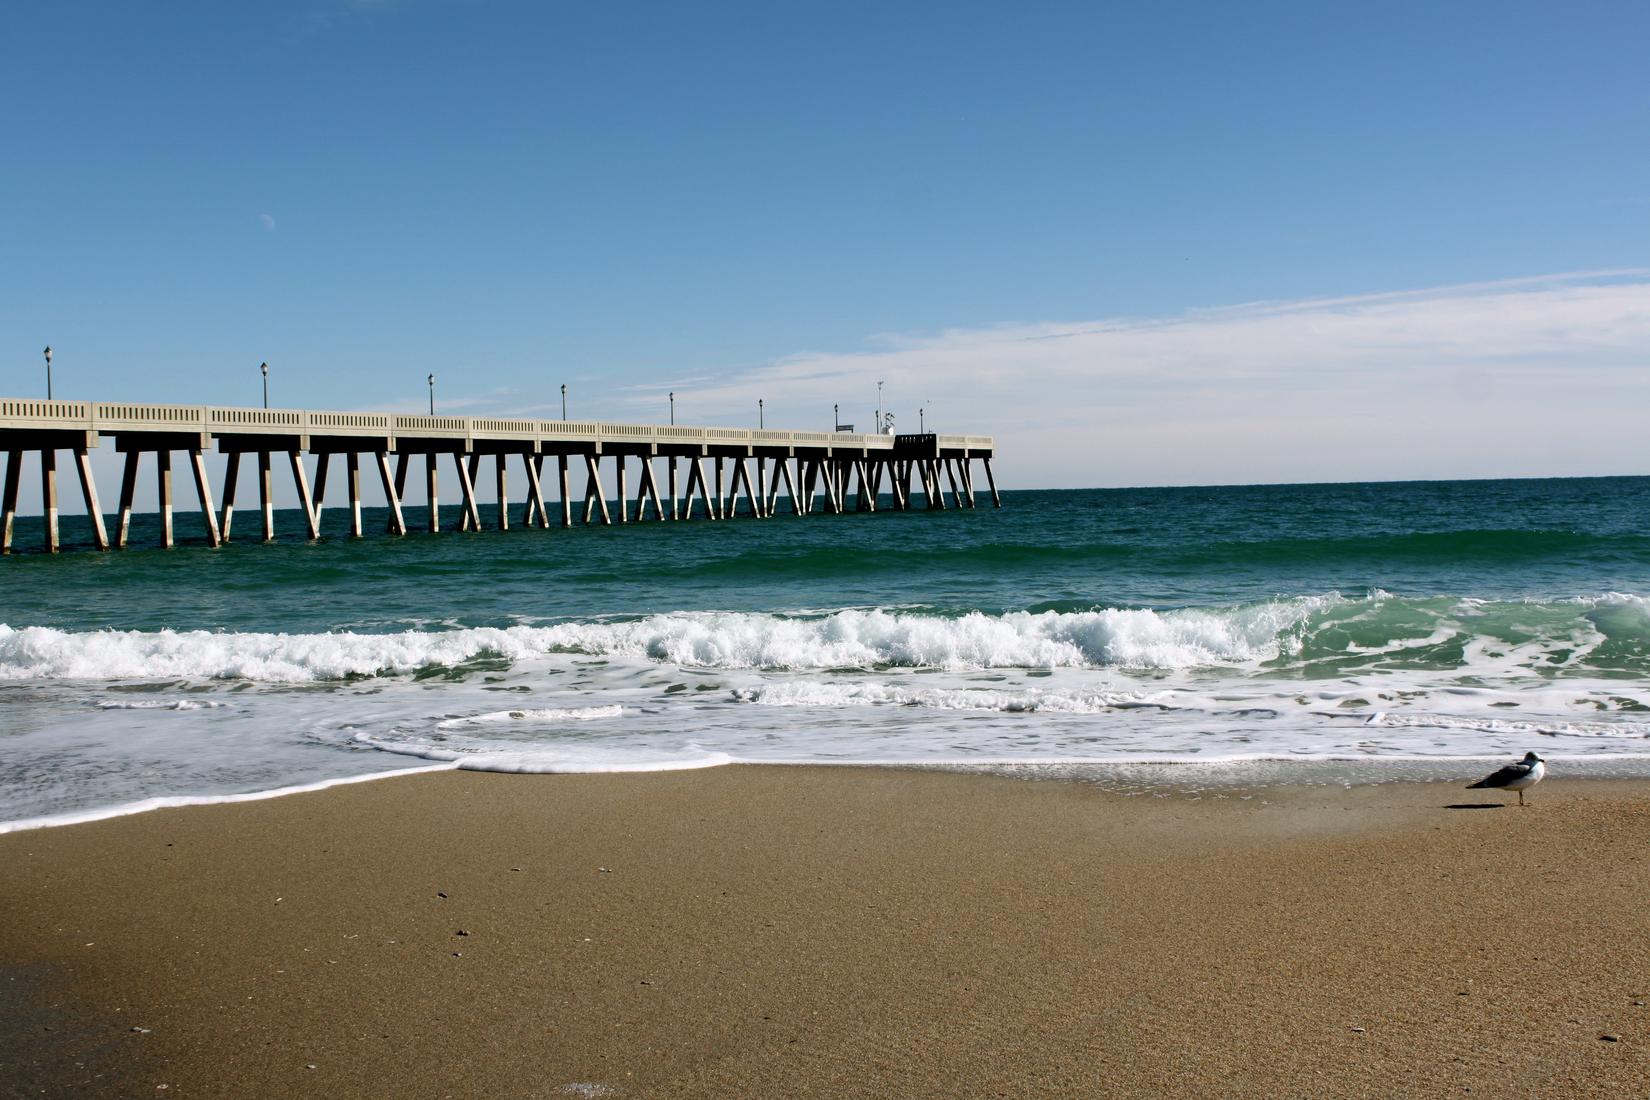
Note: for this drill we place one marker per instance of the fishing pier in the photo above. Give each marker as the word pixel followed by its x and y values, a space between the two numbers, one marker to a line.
pixel 830 472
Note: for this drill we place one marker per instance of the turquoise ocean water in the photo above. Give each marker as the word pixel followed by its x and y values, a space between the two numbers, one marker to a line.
pixel 1389 629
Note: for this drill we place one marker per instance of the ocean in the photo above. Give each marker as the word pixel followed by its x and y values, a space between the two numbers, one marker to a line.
pixel 1204 637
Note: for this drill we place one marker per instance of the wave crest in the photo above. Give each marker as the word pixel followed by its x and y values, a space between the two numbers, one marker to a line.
pixel 1302 628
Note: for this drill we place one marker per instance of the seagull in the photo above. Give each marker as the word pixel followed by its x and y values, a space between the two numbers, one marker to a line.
pixel 1515 777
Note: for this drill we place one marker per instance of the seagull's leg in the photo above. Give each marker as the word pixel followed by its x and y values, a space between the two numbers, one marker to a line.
pixel 1521 798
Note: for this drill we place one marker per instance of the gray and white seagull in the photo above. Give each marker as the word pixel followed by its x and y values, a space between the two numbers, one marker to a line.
pixel 1515 777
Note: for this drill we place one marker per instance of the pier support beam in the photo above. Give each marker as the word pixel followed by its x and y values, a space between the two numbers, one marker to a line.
pixel 566 501
pixel 501 478
pixel 996 498
pixel 163 489
pixel 231 478
pixel 790 487
pixel 466 485
pixel 392 491
pixel 300 478
pixel 951 478
pixel 594 495
pixel 203 493
pixel 535 489
pixel 128 487
pixel 266 496
pixel 352 475
pixel 8 501
pixel 433 493
pixel 323 460
pixel 48 497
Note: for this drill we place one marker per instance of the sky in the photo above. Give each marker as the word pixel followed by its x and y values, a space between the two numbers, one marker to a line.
pixel 1138 244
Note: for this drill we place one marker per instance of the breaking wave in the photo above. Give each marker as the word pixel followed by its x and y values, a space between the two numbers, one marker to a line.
pixel 1611 632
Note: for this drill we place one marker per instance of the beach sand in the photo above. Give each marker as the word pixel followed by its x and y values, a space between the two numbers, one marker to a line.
pixel 774 932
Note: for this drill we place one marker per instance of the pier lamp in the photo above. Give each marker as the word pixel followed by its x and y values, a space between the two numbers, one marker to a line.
pixel 836 418
pixel 759 422
pixel 264 369
pixel 48 372
pixel 920 429
pixel 673 406
pixel 879 404
pixel 432 393
pixel 564 400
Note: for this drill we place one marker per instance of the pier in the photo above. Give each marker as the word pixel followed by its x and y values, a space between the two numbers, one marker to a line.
pixel 828 472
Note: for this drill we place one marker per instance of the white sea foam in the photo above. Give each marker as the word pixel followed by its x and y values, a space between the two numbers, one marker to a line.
pixel 535 714
pixel 552 759
pixel 161 704
pixel 849 694
pixel 168 802
pixel 846 639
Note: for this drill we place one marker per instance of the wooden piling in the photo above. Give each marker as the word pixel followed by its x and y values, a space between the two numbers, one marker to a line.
pixel 203 493
pixel 624 494
pixel 432 493
pixel 322 462
pixel 48 497
pixel 88 491
pixel 128 487
pixel 673 512
pixel 951 477
pixel 996 498
pixel 352 477
pixel 163 487
pixel 466 484
pixel 535 488
pixel 8 502
pixel 392 494
pixel 500 476
pixel 566 502
pixel 301 479
pixel 231 476
pixel 594 494
pixel 266 495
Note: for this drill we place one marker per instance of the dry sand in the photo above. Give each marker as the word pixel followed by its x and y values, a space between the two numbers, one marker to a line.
pixel 773 932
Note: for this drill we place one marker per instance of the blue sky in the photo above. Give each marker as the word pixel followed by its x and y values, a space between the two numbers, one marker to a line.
pixel 1212 212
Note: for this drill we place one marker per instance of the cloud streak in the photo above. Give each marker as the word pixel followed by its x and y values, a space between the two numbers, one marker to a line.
pixel 1522 377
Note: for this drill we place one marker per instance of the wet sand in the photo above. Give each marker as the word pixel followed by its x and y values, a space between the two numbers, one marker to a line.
pixel 766 932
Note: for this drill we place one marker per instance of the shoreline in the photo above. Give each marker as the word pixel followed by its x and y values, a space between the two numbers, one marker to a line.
pixel 1137 775
pixel 825 931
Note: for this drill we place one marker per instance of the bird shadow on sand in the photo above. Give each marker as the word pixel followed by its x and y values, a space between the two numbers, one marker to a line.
pixel 1476 806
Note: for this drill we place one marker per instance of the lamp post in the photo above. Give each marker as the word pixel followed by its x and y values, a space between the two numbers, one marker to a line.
pixel 920 429
pixel 48 372
pixel 263 368
pixel 564 400
pixel 432 393
pixel 836 418
pixel 879 404
pixel 673 406
pixel 759 422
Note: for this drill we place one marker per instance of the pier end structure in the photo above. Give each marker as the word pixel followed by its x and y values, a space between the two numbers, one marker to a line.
pixel 729 471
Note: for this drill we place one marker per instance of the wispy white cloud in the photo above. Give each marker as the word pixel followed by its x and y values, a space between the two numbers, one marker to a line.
pixel 1517 377
pixel 268 221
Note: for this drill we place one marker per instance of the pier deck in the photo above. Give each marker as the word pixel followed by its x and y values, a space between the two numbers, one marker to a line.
pixel 832 472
